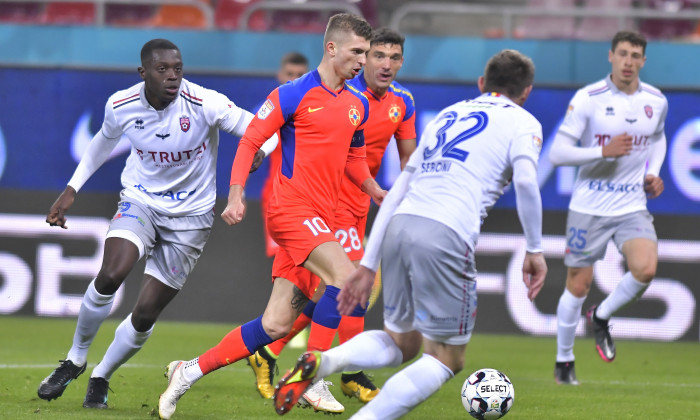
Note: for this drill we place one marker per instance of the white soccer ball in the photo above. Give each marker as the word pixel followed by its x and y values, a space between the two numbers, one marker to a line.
pixel 487 394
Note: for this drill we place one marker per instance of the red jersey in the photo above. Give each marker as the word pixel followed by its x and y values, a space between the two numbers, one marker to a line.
pixel 321 136
pixel 391 115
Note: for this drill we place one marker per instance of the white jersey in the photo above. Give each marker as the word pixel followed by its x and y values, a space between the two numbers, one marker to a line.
pixel 598 112
pixel 465 159
pixel 172 164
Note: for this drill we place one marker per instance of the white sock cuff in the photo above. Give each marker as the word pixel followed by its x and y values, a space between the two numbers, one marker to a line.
pixel 571 301
pixel 138 337
pixel 95 298
pixel 395 353
pixel 635 285
pixel 426 358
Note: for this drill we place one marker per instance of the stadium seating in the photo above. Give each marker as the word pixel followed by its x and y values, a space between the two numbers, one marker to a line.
pixel 130 15
pixel 68 13
pixel 602 28
pixel 228 13
pixel 547 27
pixel 20 12
pixel 180 17
pixel 668 29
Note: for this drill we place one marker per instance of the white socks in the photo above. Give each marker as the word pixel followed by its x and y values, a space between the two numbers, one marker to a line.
pixel 568 317
pixel 627 291
pixel 406 389
pixel 93 310
pixel 368 350
pixel 191 371
pixel 127 342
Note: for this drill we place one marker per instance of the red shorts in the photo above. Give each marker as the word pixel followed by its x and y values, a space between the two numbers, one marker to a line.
pixel 284 267
pixel 350 232
pixel 298 231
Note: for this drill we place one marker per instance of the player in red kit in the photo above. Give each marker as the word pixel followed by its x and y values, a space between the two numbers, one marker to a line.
pixel 392 113
pixel 320 118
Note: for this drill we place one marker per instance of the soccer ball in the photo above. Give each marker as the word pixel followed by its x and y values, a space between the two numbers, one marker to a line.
pixel 487 394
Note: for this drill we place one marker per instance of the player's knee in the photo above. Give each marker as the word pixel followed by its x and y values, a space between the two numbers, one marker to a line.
pixel 108 281
pixel 142 321
pixel 644 274
pixel 579 289
pixel 276 329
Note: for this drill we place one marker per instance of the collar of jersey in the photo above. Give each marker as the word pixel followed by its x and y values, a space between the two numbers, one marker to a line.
pixel 144 101
pixel 615 89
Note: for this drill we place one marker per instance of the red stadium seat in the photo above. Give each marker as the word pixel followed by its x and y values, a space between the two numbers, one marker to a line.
pixel 180 17
pixel 67 13
pixel 129 14
pixel 664 28
pixel 602 28
pixel 228 13
pixel 20 12
pixel 547 27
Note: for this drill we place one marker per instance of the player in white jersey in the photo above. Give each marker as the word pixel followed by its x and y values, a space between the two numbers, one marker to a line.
pixel 166 207
pixel 614 132
pixel 425 233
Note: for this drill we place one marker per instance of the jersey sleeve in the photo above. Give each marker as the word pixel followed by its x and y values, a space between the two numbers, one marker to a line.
pixel 662 120
pixel 266 122
pixel 527 142
pixel 110 127
pixel 576 118
pixel 221 112
pixel 356 164
pixel 407 128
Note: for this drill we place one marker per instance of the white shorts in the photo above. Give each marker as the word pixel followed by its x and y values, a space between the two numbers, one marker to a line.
pixel 587 235
pixel 429 280
pixel 172 244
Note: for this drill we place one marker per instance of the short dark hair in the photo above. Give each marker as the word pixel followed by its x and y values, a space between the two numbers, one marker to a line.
pixel 509 72
pixel 347 22
pixel 634 38
pixel 294 57
pixel 155 44
pixel 387 36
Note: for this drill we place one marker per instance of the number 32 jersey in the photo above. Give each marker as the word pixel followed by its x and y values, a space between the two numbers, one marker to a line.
pixel 465 159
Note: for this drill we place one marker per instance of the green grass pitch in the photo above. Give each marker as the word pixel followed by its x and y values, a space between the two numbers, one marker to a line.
pixel 648 380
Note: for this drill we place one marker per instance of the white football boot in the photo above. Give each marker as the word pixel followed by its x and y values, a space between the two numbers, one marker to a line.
pixel 319 397
pixel 177 386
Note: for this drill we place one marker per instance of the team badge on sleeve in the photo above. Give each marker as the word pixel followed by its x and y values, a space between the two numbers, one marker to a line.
pixel 354 116
pixel 185 124
pixel 569 110
pixel 537 143
pixel 649 111
pixel 265 109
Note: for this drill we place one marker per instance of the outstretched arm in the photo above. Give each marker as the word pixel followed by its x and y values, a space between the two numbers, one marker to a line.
pixel 96 155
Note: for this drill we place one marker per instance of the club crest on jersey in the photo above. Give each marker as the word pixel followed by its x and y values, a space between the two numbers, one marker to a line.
pixel 354 116
pixel 537 142
pixel 649 111
pixel 185 124
pixel 395 113
pixel 265 109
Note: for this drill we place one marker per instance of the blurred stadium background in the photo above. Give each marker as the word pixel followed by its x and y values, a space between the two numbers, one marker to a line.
pixel 59 61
